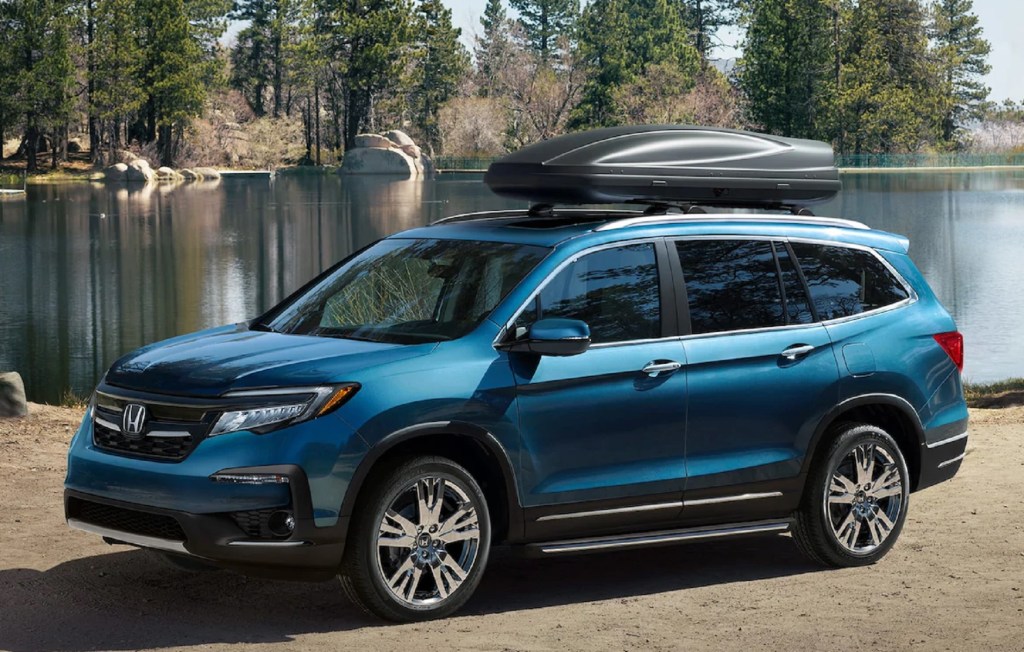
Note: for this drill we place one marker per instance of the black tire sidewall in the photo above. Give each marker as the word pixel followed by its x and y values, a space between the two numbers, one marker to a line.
pixel 385 492
pixel 828 547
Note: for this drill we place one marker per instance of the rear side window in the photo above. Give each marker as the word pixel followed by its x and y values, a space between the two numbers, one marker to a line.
pixel 845 282
pixel 615 291
pixel 731 285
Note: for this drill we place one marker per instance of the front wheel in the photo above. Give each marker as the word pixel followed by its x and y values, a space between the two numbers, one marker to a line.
pixel 855 502
pixel 419 542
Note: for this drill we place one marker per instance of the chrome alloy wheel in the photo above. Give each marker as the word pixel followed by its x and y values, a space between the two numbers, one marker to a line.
pixel 428 541
pixel 864 498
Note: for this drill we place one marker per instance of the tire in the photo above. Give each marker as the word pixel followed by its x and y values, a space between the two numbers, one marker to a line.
pixel 438 552
pixel 855 520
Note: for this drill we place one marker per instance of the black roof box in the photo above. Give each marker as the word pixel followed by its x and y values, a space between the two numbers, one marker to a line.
pixel 669 164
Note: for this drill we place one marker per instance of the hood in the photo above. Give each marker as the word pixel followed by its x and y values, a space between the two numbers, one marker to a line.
pixel 212 362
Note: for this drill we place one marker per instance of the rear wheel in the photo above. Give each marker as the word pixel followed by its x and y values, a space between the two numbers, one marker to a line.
pixel 855 502
pixel 419 542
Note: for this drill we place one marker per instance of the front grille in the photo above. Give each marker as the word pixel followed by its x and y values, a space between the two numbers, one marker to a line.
pixel 256 523
pixel 150 444
pixel 126 520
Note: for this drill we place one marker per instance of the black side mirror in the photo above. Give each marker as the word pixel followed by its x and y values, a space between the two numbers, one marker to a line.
pixel 558 337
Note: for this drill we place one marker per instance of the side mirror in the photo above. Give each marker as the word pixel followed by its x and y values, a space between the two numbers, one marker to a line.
pixel 558 337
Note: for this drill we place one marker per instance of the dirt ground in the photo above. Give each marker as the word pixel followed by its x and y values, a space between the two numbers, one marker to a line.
pixel 955 580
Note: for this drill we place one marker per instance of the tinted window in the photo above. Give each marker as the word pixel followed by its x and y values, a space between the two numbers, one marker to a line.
pixel 798 306
pixel 409 291
pixel 845 281
pixel 614 290
pixel 730 285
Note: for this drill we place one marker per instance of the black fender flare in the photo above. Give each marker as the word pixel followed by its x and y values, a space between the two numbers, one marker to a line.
pixel 481 436
pixel 904 406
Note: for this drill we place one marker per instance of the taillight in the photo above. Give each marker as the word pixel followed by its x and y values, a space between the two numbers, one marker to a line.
pixel 953 344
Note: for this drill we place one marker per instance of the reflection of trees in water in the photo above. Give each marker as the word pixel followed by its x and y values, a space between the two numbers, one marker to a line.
pixel 618 301
pixel 730 285
pixel 846 282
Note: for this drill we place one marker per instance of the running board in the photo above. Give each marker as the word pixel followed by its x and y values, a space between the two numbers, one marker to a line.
pixel 660 537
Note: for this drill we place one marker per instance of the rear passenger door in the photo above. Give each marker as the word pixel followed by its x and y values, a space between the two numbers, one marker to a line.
pixel 760 375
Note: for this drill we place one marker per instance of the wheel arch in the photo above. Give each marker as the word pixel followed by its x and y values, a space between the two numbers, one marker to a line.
pixel 889 412
pixel 469 445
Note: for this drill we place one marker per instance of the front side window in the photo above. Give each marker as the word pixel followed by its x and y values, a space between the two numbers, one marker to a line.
pixel 410 291
pixel 845 282
pixel 731 285
pixel 615 291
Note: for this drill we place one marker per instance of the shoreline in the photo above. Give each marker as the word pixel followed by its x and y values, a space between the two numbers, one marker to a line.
pixel 70 176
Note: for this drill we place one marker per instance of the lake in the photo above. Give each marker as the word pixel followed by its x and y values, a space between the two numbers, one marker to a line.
pixel 89 272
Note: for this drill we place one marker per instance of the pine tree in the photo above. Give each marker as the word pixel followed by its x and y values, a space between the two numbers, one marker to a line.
pixel 443 63
pixel 705 18
pixel 787 67
pixel 375 40
pixel 38 41
pixel 545 21
pixel 493 48
pixel 116 69
pixel 259 59
pixel 962 56
pixel 619 39
pixel 889 98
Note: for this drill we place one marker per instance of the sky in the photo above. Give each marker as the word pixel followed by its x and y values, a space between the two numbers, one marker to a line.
pixel 1000 19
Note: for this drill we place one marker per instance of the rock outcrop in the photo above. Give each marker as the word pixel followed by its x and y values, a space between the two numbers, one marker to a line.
pixel 393 154
pixel 139 171
pixel 12 395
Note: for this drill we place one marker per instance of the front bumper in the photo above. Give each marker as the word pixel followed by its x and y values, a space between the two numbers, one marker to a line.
pixel 308 553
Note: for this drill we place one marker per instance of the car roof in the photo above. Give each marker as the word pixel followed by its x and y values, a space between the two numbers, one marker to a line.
pixel 585 227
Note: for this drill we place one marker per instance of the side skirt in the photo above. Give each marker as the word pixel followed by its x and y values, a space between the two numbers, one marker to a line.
pixel 656 538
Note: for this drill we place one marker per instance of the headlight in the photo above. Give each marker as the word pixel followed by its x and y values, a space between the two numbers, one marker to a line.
pixel 317 401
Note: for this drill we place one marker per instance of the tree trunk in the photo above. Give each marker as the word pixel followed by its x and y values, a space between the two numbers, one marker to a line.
pixel 307 123
pixel 31 143
pixel 150 120
pixel 277 66
pixel 316 94
pixel 94 129
pixel 165 145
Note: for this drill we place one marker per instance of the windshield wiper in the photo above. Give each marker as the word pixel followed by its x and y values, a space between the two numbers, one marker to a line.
pixel 266 328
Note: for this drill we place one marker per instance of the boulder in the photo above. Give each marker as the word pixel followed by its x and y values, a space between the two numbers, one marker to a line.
pixel 208 173
pixel 190 175
pixel 124 156
pixel 74 146
pixel 373 140
pixel 12 395
pixel 400 138
pixel 165 173
pixel 116 172
pixel 412 150
pixel 139 171
pixel 376 160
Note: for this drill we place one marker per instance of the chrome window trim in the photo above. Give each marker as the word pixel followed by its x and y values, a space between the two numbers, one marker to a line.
pixel 651 240
pixel 614 510
pixel 953 460
pixel 732 499
pixel 948 440
pixel 140 540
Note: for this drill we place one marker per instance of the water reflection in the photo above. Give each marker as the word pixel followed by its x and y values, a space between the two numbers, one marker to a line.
pixel 89 272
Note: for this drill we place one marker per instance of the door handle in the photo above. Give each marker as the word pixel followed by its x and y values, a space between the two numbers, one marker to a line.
pixel 797 351
pixel 656 367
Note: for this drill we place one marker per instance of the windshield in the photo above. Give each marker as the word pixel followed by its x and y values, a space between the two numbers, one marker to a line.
pixel 410 291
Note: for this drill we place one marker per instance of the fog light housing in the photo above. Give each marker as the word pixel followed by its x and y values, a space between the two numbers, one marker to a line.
pixel 281 523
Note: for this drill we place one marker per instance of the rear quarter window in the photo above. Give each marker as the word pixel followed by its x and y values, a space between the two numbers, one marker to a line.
pixel 844 282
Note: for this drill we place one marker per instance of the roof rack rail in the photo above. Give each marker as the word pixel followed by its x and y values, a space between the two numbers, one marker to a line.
pixel 711 217
pixel 540 210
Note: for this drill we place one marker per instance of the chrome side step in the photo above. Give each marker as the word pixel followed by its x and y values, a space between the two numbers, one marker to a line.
pixel 660 537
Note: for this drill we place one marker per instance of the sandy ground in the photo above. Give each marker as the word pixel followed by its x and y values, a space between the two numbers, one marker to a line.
pixel 955 581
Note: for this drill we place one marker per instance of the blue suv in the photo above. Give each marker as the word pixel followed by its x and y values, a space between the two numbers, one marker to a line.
pixel 557 380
